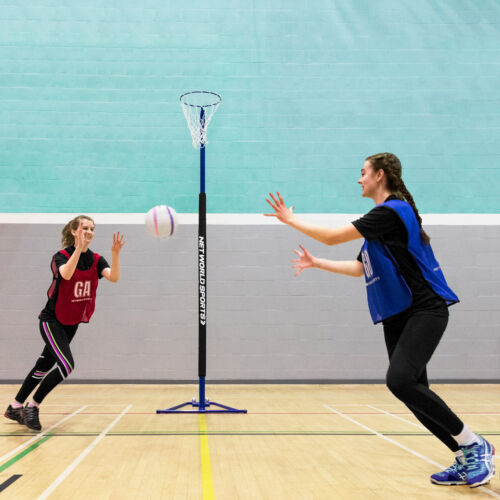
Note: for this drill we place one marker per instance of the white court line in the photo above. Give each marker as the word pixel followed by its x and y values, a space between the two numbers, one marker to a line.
pixel 497 457
pixel 398 417
pixel 80 457
pixel 40 435
pixel 416 453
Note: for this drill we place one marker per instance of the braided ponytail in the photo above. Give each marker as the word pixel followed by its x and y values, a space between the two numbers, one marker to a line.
pixel 391 165
pixel 409 199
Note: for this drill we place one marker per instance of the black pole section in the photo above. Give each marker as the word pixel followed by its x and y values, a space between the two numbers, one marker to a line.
pixel 202 285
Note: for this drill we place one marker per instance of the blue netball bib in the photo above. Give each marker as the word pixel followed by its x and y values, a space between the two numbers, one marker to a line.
pixel 387 291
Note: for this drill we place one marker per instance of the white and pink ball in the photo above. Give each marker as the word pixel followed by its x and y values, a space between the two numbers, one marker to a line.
pixel 161 221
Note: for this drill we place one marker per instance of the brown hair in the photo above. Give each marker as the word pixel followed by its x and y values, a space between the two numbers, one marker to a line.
pixel 68 239
pixel 391 166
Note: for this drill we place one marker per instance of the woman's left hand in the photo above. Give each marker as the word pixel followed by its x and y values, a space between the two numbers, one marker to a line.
pixel 117 243
pixel 304 261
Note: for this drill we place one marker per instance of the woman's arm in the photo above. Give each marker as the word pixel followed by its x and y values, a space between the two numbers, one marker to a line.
pixel 349 267
pixel 306 260
pixel 326 235
pixel 113 273
pixel 67 270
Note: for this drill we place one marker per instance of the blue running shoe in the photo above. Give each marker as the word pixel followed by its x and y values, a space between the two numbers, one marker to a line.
pixel 453 475
pixel 480 462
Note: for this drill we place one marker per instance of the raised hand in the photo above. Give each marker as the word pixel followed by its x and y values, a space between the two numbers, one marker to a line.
pixel 304 261
pixel 281 212
pixel 117 243
pixel 80 239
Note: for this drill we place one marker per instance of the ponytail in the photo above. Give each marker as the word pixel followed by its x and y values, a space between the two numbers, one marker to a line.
pixel 409 199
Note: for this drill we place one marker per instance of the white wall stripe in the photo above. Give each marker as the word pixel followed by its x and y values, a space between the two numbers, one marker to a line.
pixel 243 219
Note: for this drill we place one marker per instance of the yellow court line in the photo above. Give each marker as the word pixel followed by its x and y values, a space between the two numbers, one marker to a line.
pixel 206 468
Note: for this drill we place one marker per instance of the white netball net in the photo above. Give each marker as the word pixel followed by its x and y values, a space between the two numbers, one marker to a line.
pixel 199 107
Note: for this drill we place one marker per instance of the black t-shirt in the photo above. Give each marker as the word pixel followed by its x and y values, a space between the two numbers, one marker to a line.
pixel 383 224
pixel 84 263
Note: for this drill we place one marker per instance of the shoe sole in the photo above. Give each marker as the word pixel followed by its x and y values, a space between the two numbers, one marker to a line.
pixel 476 485
pixel 33 428
pixel 449 483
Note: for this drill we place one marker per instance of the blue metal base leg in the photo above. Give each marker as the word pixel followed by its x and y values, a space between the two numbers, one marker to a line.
pixel 202 404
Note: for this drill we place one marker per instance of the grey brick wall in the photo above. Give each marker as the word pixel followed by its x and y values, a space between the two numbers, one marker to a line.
pixel 263 324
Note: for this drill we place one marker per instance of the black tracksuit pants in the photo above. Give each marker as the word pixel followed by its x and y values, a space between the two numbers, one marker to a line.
pixel 411 340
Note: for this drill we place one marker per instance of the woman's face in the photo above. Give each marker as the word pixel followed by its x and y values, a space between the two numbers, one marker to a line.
pixel 369 180
pixel 87 227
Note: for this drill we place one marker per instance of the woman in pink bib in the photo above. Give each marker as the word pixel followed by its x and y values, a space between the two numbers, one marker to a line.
pixel 76 272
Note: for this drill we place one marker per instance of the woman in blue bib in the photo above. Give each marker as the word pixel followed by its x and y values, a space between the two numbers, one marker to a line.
pixel 408 293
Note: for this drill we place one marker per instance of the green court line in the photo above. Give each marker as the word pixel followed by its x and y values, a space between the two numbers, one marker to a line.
pixel 23 453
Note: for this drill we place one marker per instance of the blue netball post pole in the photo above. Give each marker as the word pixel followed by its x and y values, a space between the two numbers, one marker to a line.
pixel 199 107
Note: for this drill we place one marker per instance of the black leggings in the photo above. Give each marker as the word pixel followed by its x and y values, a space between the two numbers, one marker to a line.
pixel 57 338
pixel 411 341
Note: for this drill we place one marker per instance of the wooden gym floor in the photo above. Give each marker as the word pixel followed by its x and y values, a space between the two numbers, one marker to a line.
pixel 296 442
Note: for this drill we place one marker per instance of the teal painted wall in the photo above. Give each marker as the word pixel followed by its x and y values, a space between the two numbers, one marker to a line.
pixel 90 119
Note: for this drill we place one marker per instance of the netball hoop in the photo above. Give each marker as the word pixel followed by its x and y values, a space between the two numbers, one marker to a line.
pixel 199 107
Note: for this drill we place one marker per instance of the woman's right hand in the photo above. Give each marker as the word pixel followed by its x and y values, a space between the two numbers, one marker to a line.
pixel 304 261
pixel 79 239
pixel 281 212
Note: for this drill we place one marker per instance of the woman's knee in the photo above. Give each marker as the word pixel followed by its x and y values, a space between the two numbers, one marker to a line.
pixel 44 363
pixel 399 382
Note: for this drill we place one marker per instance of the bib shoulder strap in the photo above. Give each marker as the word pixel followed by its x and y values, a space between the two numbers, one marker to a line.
pixel 96 261
pixel 65 253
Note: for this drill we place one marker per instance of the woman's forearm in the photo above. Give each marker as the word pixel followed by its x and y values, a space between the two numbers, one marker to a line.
pixel 348 267
pixel 67 270
pixel 324 234
pixel 114 275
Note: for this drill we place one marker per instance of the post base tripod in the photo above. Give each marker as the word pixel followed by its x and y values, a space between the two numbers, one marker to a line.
pixel 201 405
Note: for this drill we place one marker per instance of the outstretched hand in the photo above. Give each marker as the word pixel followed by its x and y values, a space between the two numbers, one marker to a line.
pixel 281 212
pixel 117 243
pixel 304 261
